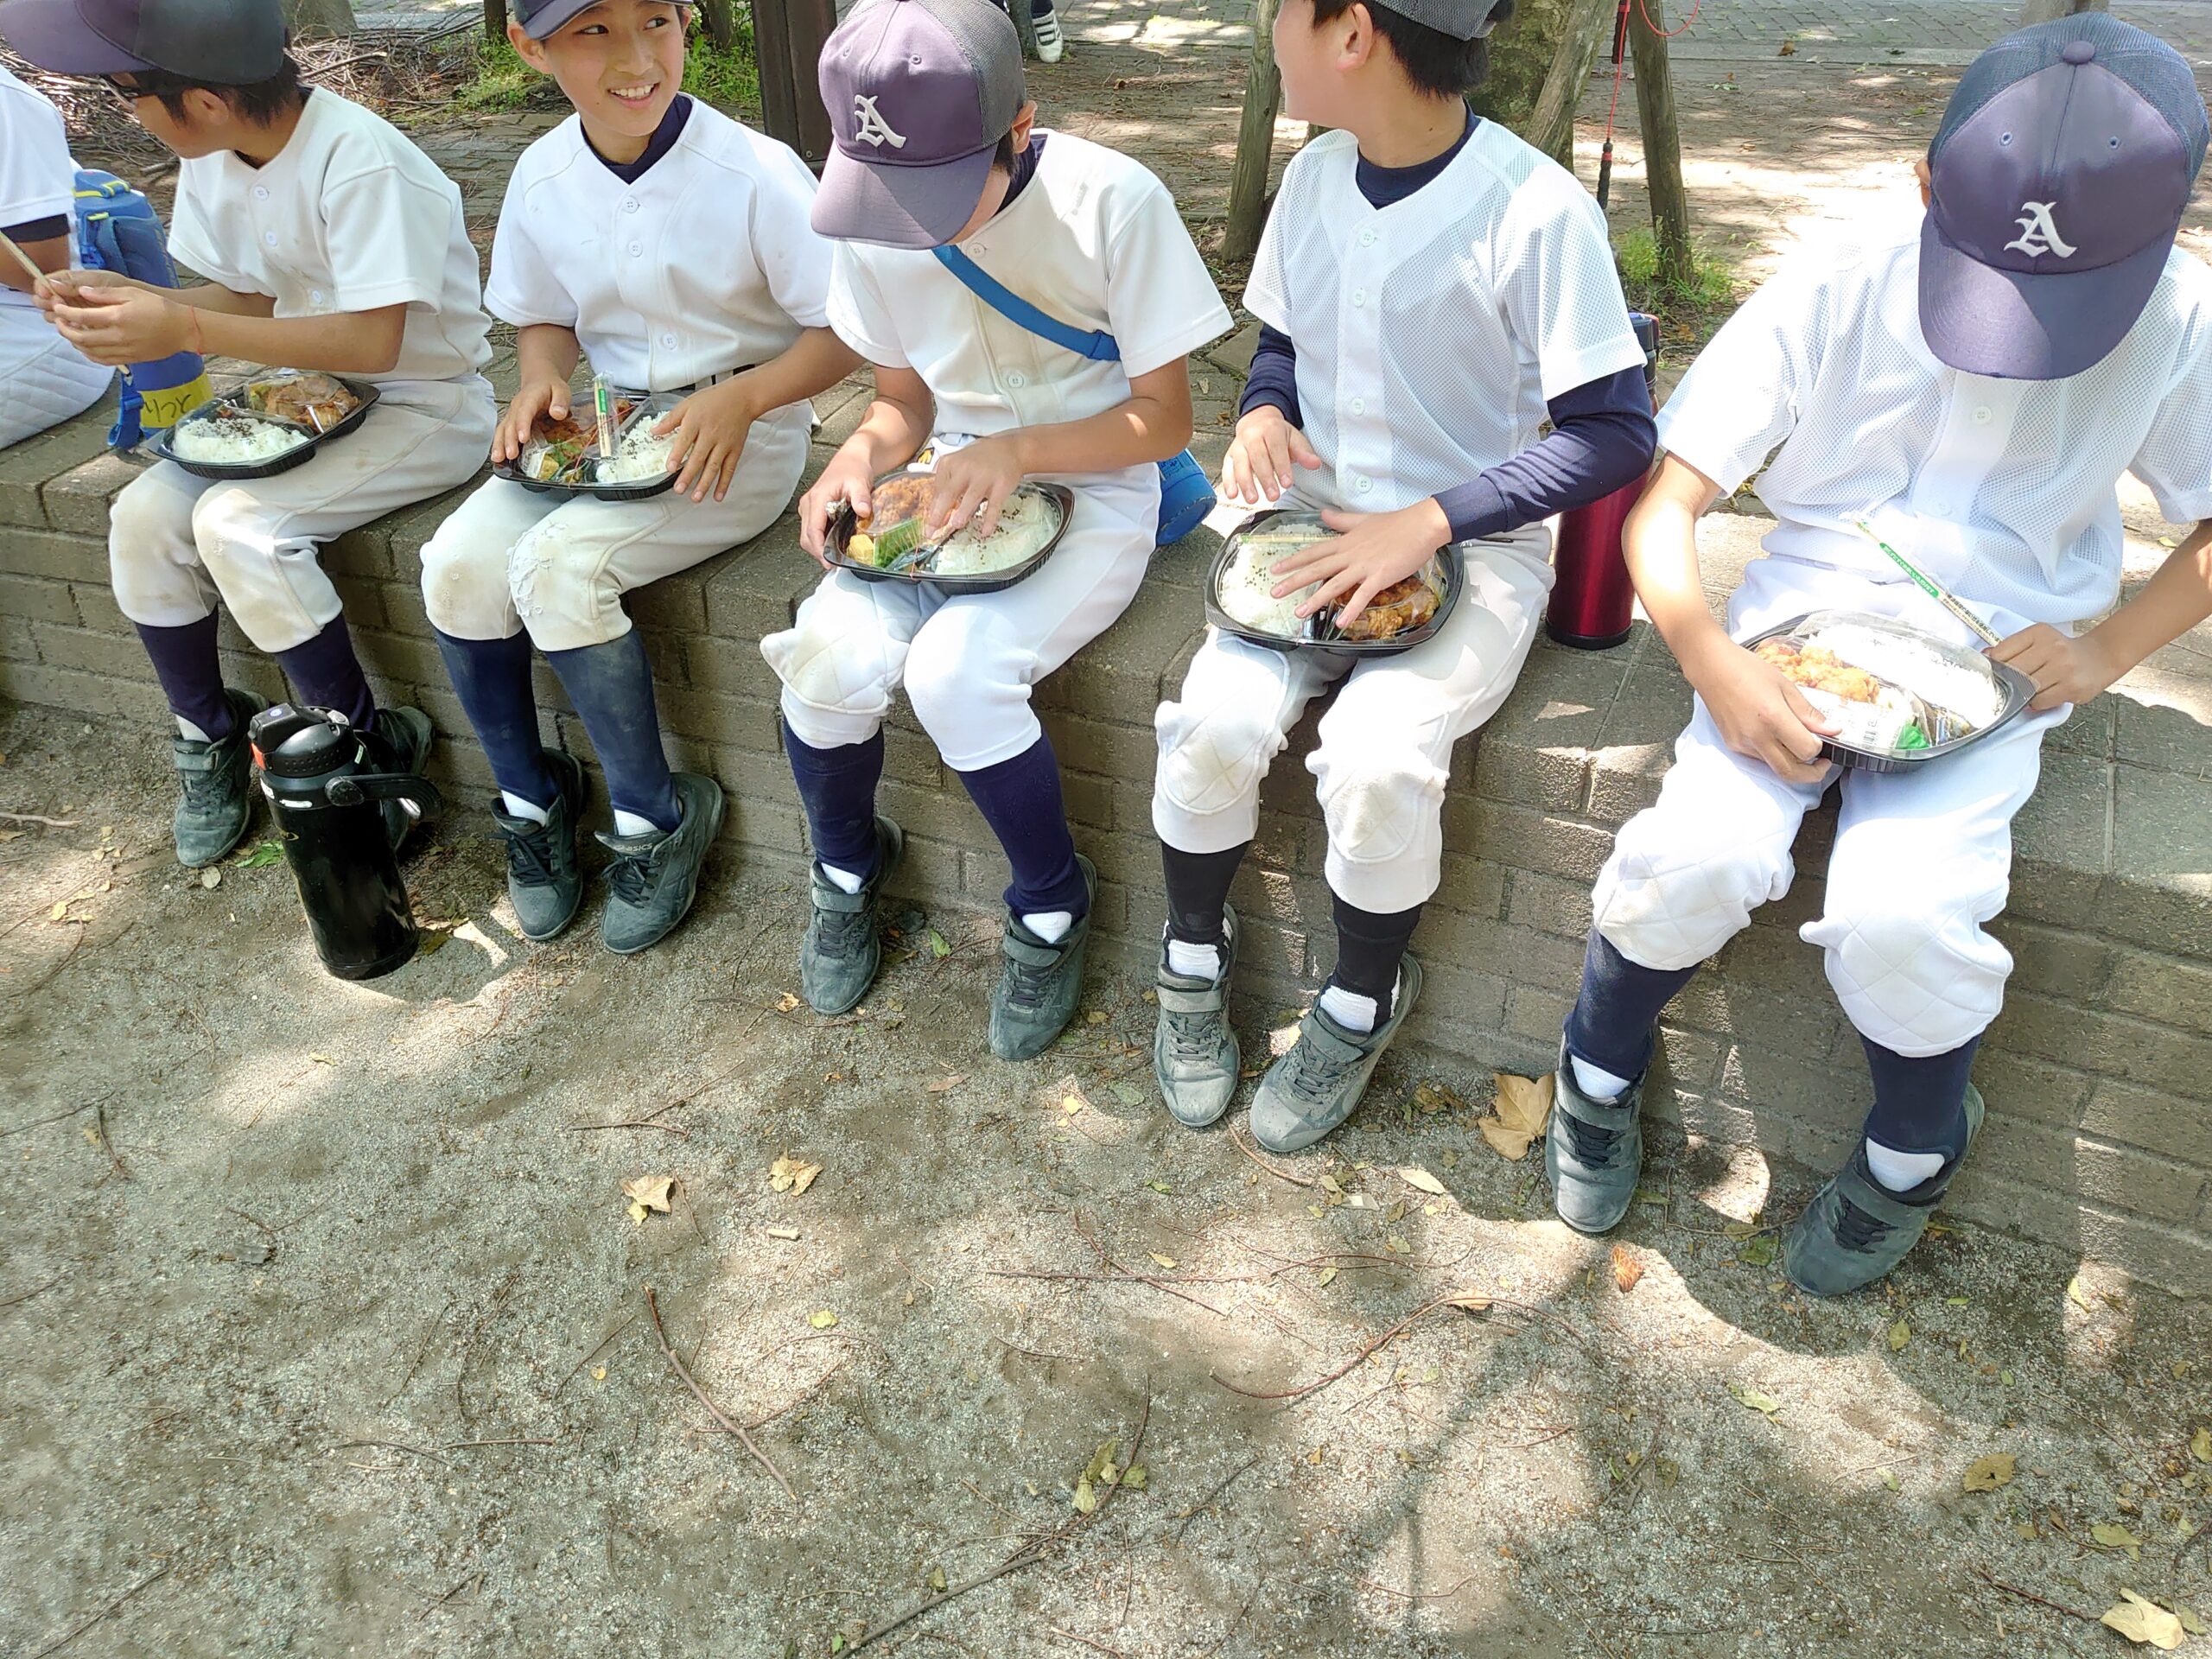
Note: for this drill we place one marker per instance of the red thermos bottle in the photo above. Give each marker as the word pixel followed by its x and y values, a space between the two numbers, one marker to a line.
pixel 1592 600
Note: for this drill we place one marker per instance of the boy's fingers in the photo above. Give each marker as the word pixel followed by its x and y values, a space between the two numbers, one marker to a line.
pixel 1811 718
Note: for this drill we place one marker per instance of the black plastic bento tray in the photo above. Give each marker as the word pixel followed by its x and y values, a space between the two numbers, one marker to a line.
pixel 298 455
pixel 637 490
pixel 1337 649
pixel 842 526
pixel 2019 692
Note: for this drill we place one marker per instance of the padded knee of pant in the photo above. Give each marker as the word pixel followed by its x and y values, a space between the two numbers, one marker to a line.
pixel 223 525
pixel 1210 758
pixel 148 527
pixel 1689 860
pixel 464 588
pixel 1374 801
pixel 959 665
pixel 561 587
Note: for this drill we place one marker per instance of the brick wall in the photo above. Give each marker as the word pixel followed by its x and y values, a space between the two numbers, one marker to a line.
pixel 2099 1075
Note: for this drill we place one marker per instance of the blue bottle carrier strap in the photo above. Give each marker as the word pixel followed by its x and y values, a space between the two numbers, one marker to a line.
pixel 1093 343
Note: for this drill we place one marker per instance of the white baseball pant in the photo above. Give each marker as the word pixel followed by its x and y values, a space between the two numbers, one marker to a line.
pixel 176 541
pixel 1384 752
pixel 1923 859
pixel 510 557
pixel 48 380
pixel 967 661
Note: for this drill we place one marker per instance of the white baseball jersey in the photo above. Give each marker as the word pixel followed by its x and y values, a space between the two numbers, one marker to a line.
pixel 2000 490
pixel 1094 240
pixel 705 264
pixel 38 180
pixel 1431 333
pixel 348 216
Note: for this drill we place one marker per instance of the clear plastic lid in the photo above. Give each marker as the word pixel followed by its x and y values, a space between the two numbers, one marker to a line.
pixel 1890 688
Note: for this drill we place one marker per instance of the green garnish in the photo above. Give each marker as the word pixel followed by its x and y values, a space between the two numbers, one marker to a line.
pixel 1911 738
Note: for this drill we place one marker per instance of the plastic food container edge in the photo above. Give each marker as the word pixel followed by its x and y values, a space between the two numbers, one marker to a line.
pixel 1453 580
pixel 842 526
pixel 298 455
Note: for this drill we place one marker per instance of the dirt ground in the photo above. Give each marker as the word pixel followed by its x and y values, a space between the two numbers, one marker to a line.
pixel 328 1327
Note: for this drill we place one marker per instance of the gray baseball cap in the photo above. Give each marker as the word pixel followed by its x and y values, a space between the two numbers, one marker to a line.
pixel 1462 20
pixel 2057 181
pixel 227 43
pixel 920 92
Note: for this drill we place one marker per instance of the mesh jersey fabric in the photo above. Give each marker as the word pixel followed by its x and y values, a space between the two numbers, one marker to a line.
pixel 2003 491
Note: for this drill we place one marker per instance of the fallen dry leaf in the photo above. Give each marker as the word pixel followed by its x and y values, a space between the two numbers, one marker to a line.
pixel 1752 1399
pixel 787 1234
pixel 823 1320
pixel 1473 1301
pixel 1626 1268
pixel 786 1002
pixel 790 1175
pixel 1422 1180
pixel 1326 1274
pixel 944 1084
pixel 937 1580
pixel 1900 1334
pixel 648 1192
pixel 1988 1474
pixel 2143 1622
pixel 2200 1445
pixel 2109 1537
pixel 1524 1106
pixel 2189 1621
pixel 2075 1294
pixel 61 910
pixel 1167 1262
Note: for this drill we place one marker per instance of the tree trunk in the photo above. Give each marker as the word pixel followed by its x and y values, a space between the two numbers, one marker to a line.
pixel 495 19
pixel 1256 137
pixel 1551 123
pixel 1523 54
pixel 324 18
pixel 721 30
pixel 1662 145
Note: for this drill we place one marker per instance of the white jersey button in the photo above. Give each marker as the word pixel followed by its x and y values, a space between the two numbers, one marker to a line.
pixel 1359 406
pixel 1364 484
pixel 269 237
pixel 1983 416
pixel 1359 296
pixel 636 249
pixel 1017 380
pixel 668 339
pixel 630 204
pixel 1367 238
pixel 261 192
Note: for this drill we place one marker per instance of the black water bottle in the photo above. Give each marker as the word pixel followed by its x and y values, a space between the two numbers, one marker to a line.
pixel 326 795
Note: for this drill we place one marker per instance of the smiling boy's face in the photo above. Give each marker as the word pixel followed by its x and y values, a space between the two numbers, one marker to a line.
pixel 620 62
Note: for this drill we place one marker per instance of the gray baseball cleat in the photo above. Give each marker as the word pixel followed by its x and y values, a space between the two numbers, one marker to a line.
pixel 544 882
pixel 1856 1229
pixel 1194 1054
pixel 838 958
pixel 1040 984
pixel 1593 1152
pixel 1312 1089
pixel 217 779
pixel 655 876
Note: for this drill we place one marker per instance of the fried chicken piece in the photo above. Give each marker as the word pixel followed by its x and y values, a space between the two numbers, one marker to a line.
pixel 1820 670
pixel 1400 606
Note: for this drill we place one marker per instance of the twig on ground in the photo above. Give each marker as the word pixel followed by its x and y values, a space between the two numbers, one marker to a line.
pixel 1291 1396
pixel 1444 1594
pixel 389 1445
pixel 1237 1135
pixel 518 1439
pixel 668 1348
pixel 52 1117
pixel 1207 1501
pixel 651 1120
pixel 32 817
pixel 1071 1359
pixel 108 1611
pixel 28 1294
pixel 1996 1583
pixel 593 1355
pixel 1208 1653
pixel 800 1399
pixel 1069 1636
pixel 1027 1555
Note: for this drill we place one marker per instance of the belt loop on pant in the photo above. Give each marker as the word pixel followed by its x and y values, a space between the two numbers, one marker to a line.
pixel 714 379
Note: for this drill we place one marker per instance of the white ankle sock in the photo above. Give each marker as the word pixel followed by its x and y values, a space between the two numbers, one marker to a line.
pixel 1193 960
pixel 631 823
pixel 190 733
pixel 519 808
pixel 1901 1172
pixel 1349 1008
pixel 1050 925
pixel 844 879
pixel 1597 1083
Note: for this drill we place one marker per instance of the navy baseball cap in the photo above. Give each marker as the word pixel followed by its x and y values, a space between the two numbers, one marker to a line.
pixel 920 92
pixel 225 42
pixel 2057 183
pixel 542 19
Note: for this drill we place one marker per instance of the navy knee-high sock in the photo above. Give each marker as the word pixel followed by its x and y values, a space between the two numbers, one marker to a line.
pixel 1020 800
pixel 837 788
pixel 1920 1104
pixel 1369 946
pixel 611 687
pixel 1197 890
pixel 1618 1009
pixel 191 675
pixel 491 678
pixel 326 675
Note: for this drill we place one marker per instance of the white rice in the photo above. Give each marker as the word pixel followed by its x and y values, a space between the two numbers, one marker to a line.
pixel 234 442
pixel 639 456
pixel 1968 691
pixel 1246 584
pixel 1027 522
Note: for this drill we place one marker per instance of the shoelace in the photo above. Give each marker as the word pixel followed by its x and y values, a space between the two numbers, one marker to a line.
pixel 631 877
pixel 1193 1038
pixel 1593 1143
pixel 842 933
pixel 205 788
pixel 1312 1076
pixel 529 855
pixel 1856 1230
pixel 1026 986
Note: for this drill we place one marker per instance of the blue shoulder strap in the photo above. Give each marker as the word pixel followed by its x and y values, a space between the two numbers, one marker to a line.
pixel 1096 344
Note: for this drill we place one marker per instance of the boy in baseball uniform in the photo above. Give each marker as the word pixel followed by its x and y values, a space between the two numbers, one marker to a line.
pixel 47 378
pixel 669 245
pixel 1432 290
pixel 330 242
pixel 935 146
pixel 1974 384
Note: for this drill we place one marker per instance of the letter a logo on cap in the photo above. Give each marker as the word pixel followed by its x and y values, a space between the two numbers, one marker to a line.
pixel 2038 233
pixel 870 127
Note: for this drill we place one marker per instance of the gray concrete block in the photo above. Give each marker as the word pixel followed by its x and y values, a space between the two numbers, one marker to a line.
pixel 2168 989
pixel 37 598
